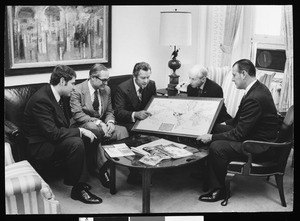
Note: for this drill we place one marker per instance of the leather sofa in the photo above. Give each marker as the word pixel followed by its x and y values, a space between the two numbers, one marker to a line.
pixel 15 99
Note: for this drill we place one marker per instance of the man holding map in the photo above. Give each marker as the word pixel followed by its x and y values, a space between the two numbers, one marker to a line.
pixel 133 95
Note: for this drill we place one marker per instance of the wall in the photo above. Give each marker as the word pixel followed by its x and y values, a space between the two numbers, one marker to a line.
pixel 135 37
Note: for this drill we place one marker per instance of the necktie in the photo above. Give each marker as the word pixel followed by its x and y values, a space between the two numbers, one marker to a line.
pixel 61 104
pixel 140 91
pixel 96 101
pixel 199 92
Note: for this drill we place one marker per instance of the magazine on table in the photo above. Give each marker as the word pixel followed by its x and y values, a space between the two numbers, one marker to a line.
pixel 159 150
pixel 145 149
pixel 151 160
pixel 118 150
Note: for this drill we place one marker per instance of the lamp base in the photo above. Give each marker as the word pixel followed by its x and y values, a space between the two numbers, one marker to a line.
pixel 172 91
pixel 174 64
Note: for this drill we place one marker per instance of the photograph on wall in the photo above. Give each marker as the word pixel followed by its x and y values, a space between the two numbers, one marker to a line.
pixel 42 35
pixel 180 116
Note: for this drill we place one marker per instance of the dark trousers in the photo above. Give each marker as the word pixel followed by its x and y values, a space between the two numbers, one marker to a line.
pixel 71 150
pixel 222 152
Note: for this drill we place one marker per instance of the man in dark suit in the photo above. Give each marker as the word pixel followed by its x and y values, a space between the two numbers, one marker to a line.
pixel 92 109
pixel 201 86
pixel 46 126
pixel 133 95
pixel 131 98
pixel 255 119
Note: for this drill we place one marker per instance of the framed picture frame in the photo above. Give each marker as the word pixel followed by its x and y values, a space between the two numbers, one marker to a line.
pixel 41 37
pixel 180 116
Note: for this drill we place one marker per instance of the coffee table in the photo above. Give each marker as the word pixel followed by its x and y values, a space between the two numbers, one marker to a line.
pixel 146 170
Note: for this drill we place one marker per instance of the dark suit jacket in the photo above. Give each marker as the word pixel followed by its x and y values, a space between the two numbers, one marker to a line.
pixel 82 105
pixel 211 89
pixel 255 119
pixel 44 120
pixel 127 101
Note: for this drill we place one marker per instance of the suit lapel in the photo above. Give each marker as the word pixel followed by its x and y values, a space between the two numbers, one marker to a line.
pixel 58 109
pixel 255 85
pixel 133 95
pixel 88 99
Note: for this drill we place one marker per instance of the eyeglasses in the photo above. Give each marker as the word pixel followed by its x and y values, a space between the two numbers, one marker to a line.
pixel 104 80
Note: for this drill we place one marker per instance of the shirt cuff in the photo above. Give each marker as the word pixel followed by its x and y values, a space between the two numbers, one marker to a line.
pixel 80 131
pixel 132 117
pixel 110 121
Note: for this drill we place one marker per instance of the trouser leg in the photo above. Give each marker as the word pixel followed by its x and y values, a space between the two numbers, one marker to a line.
pixel 73 150
pixel 220 154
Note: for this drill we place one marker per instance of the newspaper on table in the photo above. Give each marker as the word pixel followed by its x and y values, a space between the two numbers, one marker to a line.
pixel 161 149
pixel 118 150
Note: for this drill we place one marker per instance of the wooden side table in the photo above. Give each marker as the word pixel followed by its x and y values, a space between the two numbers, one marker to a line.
pixel 146 170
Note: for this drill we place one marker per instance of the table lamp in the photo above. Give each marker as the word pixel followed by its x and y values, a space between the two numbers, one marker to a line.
pixel 175 30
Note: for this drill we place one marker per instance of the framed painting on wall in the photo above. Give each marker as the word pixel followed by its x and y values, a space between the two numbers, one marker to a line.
pixel 45 36
pixel 180 116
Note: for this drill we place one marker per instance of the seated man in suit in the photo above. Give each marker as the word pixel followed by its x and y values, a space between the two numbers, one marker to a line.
pixel 133 95
pixel 46 126
pixel 131 98
pixel 92 109
pixel 201 86
pixel 256 119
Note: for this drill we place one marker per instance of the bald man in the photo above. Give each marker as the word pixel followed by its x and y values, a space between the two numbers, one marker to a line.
pixel 201 86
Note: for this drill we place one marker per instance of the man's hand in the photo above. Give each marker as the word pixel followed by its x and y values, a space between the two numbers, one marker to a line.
pixel 205 138
pixel 141 115
pixel 88 134
pixel 110 129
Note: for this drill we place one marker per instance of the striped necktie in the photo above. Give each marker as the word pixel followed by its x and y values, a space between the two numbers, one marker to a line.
pixel 140 91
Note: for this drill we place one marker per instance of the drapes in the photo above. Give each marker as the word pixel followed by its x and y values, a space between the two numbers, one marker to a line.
pixel 233 15
pixel 287 90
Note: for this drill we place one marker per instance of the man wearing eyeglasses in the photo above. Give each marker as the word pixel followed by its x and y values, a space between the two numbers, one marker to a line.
pixel 201 86
pixel 91 108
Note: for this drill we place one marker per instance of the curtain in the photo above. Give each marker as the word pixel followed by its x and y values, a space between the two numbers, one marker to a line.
pixel 287 91
pixel 233 15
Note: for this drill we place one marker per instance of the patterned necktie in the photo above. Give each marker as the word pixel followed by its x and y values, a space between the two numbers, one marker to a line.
pixel 140 91
pixel 96 101
pixel 61 104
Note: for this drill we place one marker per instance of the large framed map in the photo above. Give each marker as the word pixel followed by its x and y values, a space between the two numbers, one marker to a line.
pixel 180 116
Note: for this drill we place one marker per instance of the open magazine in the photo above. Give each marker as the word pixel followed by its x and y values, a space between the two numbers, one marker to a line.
pixel 161 149
pixel 118 150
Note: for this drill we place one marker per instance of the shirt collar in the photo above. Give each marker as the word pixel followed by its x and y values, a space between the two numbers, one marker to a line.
pixel 202 86
pixel 135 85
pixel 249 86
pixel 55 93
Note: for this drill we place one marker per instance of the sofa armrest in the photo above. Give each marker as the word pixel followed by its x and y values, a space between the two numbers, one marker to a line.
pixel 9 159
pixel 19 142
pixel 21 178
pixel 11 130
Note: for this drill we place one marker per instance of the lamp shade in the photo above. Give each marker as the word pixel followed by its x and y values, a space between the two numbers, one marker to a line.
pixel 175 28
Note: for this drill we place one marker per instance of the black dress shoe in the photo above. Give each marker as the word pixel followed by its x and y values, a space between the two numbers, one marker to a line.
pixel 213 196
pixel 104 178
pixel 83 195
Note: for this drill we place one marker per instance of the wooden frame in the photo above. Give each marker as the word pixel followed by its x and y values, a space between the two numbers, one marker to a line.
pixel 180 116
pixel 41 37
